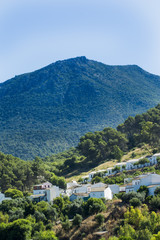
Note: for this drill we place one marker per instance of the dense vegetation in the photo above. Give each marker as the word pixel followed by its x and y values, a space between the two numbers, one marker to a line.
pixel 101 146
pixel 93 149
pixel 47 111
pixel 135 216
pixel 20 174
pixel 22 219
pixel 144 128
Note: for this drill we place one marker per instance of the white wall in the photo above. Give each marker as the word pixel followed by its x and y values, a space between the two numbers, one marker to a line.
pixel 150 179
pixel 97 194
pixel 39 191
pixel 108 193
pixel 52 193
pixel 83 189
pixel 114 188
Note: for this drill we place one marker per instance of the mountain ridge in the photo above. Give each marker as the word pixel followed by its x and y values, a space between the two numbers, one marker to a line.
pixel 46 111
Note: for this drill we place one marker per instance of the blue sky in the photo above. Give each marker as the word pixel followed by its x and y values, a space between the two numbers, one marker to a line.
pixel 35 33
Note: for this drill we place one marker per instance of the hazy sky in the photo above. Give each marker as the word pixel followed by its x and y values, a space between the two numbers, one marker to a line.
pixel 35 33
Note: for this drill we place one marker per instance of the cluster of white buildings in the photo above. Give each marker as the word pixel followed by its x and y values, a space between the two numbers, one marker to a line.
pixel 150 180
pixel 128 165
pixel 86 191
pixel 101 190
pixel 47 192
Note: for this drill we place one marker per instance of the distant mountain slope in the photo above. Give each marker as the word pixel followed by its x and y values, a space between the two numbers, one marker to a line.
pixel 46 111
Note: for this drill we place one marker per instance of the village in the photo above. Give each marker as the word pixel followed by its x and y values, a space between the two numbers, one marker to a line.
pixel 85 189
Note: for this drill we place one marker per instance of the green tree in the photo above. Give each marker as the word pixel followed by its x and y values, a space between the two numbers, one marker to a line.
pixel 20 229
pixel 117 153
pixel 13 193
pixel 157 191
pixel 66 225
pixel 99 219
pixel 77 220
pixel 94 205
pixel 45 235
pixel 135 202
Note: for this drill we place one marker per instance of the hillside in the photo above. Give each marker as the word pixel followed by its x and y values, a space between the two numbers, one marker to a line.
pixel 46 111
pixel 136 137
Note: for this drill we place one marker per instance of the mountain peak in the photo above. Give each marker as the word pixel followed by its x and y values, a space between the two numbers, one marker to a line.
pixel 46 111
pixel 81 59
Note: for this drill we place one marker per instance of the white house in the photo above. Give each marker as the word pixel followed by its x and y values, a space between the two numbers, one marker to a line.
pixel 86 188
pixel 2 197
pixel 45 192
pixel 39 188
pixel 151 180
pixel 101 192
pixel 70 187
pixel 72 184
pixel 52 193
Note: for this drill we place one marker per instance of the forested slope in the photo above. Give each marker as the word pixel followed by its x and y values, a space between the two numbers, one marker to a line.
pixel 47 111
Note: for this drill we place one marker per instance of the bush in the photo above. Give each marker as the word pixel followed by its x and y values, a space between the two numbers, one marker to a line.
pixel 135 202
pixel 13 193
pixel 45 235
pixel 155 203
pixel 143 188
pixel 66 225
pixel 157 191
pixel 93 205
pixel 99 219
pixel 77 220
pixel 128 196
pixel 76 207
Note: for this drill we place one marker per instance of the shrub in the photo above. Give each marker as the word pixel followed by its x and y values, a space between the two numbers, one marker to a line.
pixel 13 193
pixel 143 189
pixel 77 220
pixel 127 197
pixel 135 202
pixel 99 219
pixel 155 203
pixel 45 235
pixel 66 225
pixel 97 179
pixel 93 205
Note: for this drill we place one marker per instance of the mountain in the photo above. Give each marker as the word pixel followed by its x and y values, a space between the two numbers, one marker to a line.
pixel 46 111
